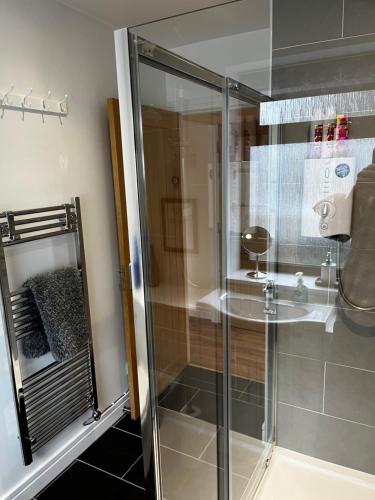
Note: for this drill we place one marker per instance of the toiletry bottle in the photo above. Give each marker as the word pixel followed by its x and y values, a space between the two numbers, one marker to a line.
pixel 301 291
pixel 328 271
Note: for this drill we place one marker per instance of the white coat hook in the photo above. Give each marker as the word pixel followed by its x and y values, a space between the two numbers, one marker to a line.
pixel 45 106
pixel 64 104
pixel 5 99
pixel 25 103
pixel 25 98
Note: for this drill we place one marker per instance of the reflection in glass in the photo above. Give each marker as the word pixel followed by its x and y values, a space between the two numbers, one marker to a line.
pixel 257 240
pixel 251 198
pixel 191 323
pixel 182 151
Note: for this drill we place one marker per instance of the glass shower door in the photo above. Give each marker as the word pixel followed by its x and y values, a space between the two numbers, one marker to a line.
pixel 181 134
pixel 205 401
pixel 250 286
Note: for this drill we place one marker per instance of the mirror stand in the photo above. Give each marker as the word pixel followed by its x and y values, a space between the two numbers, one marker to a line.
pixel 256 275
pixel 256 240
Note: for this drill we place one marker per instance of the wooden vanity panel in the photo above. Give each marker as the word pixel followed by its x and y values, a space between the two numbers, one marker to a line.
pixel 161 137
pixel 247 346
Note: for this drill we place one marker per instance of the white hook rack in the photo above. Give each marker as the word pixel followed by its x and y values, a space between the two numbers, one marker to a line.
pixel 27 103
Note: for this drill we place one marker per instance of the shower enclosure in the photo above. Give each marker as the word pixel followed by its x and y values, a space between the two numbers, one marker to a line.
pixel 252 246
pixel 196 178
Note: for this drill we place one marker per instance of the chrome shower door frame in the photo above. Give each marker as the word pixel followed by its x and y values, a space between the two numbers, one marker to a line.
pixel 130 52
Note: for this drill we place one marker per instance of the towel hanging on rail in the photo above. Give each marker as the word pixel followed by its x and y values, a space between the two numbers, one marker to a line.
pixel 59 298
pixel 35 344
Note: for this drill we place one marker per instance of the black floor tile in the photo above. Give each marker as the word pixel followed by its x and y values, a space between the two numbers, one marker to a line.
pixel 195 372
pixel 206 406
pixel 247 418
pixel 209 380
pixel 81 482
pixel 239 383
pixel 256 388
pixel 202 379
pixel 254 393
pixel 234 394
pixel 176 396
pixel 136 474
pixel 129 425
pixel 251 398
pixel 115 451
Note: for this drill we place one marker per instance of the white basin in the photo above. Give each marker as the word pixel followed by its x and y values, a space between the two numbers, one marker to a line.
pixel 252 308
pixel 246 308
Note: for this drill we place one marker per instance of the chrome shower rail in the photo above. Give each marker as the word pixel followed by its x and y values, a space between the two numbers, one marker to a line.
pixel 52 398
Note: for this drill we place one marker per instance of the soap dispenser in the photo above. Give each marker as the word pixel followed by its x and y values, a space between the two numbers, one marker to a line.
pixel 327 272
pixel 301 291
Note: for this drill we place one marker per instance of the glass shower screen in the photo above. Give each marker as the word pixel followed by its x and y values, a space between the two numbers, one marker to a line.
pixel 208 361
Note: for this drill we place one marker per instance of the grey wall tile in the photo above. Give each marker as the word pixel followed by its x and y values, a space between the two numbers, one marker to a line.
pixel 302 339
pixel 359 17
pixel 294 23
pixel 327 438
pixel 350 394
pixel 349 70
pixel 350 343
pixel 300 381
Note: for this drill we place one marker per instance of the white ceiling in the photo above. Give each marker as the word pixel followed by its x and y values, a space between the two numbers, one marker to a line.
pixel 124 13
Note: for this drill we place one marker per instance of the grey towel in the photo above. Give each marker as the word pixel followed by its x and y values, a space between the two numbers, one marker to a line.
pixel 358 281
pixel 59 298
pixel 35 344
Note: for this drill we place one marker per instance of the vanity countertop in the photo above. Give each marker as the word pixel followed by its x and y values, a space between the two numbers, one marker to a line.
pixel 281 279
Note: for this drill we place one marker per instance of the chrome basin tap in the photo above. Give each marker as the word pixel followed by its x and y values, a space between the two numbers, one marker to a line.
pixel 269 296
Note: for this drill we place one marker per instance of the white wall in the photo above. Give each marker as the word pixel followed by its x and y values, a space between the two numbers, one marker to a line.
pixel 47 46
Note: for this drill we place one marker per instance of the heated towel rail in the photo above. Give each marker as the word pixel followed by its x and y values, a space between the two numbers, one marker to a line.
pixel 53 397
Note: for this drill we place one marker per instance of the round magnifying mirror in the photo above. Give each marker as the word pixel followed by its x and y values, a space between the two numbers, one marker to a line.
pixel 256 240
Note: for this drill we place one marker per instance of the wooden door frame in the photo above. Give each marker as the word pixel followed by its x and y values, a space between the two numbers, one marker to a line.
pixel 124 252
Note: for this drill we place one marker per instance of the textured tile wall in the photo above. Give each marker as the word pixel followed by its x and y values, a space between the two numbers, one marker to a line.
pixel 276 200
pixel 326 381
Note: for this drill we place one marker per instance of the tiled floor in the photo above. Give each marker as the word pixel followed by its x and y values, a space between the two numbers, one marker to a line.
pixel 191 446
pixel 198 392
pixel 111 468
pixel 191 437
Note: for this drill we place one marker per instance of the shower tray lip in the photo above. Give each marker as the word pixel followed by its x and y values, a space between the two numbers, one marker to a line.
pixel 313 477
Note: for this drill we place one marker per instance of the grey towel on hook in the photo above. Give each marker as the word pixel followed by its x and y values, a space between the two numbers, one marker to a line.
pixel 59 298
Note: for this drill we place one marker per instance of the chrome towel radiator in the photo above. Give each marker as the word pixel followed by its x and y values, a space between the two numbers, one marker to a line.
pixel 52 398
